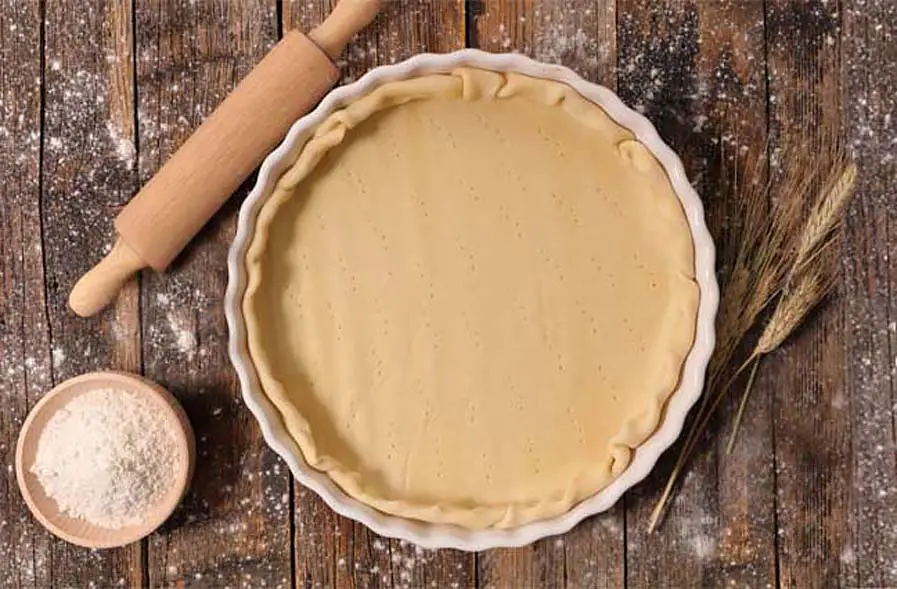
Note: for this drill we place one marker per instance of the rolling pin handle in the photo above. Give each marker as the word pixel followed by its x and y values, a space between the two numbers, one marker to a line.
pixel 348 17
pixel 99 287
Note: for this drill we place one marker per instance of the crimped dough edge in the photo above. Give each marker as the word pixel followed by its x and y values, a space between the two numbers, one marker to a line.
pixel 469 84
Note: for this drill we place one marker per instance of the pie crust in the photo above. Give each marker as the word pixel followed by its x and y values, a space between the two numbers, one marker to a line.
pixel 470 297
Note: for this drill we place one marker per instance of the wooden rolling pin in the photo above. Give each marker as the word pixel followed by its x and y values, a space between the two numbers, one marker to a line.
pixel 174 205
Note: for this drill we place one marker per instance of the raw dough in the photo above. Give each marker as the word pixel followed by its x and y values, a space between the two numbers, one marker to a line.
pixel 470 298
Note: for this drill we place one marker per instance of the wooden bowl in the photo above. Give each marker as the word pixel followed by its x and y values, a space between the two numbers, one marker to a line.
pixel 45 509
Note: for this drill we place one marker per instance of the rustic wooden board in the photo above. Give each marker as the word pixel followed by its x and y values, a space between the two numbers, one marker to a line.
pixel 696 69
pixel 25 358
pixel 234 529
pixel 812 432
pixel 330 550
pixel 868 67
pixel 731 118
pixel 581 35
pixel 808 498
pixel 87 171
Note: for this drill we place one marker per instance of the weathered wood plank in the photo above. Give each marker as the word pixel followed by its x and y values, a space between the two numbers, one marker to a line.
pixel 833 430
pixel 88 170
pixel 869 67
pixel 581 35
pixel 846 457
pixel 332 551
pixel 812 432
pixel 731 119
pixel 696 69
pixel 25 359
pixel 234 529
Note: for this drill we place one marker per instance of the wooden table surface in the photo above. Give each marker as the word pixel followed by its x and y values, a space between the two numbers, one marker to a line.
pixel 95 95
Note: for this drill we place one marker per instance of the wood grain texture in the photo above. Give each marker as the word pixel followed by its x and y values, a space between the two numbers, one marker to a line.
pixel 331 551
pixel 25 360
pixel 812 484
pixel 869 72
pixel 581 35
pixel 234 528
pixel 87 171
pixel 696 69
pixel 732 125
pixel 812 431
pixel 730 129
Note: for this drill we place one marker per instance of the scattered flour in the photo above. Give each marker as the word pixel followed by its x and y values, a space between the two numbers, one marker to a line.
pixel 184 338
pixel 577 49
pixel 124 146
pixel 58 357
pixel 77 99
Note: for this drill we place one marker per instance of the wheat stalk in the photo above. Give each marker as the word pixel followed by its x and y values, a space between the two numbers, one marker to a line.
pixel 807 285
pixel 826 216
pixel 774 260
pixel 794 305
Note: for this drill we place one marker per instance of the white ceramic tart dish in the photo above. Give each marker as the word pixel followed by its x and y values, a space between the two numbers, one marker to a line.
pixel 471 299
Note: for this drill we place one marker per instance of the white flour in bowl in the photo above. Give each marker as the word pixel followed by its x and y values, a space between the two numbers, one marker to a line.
pixel 107 457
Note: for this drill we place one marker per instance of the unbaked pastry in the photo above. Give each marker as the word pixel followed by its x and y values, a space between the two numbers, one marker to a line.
pixel 470 297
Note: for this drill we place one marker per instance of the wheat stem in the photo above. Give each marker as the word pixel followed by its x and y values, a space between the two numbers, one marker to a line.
pixel 702 418
pixel 744 399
